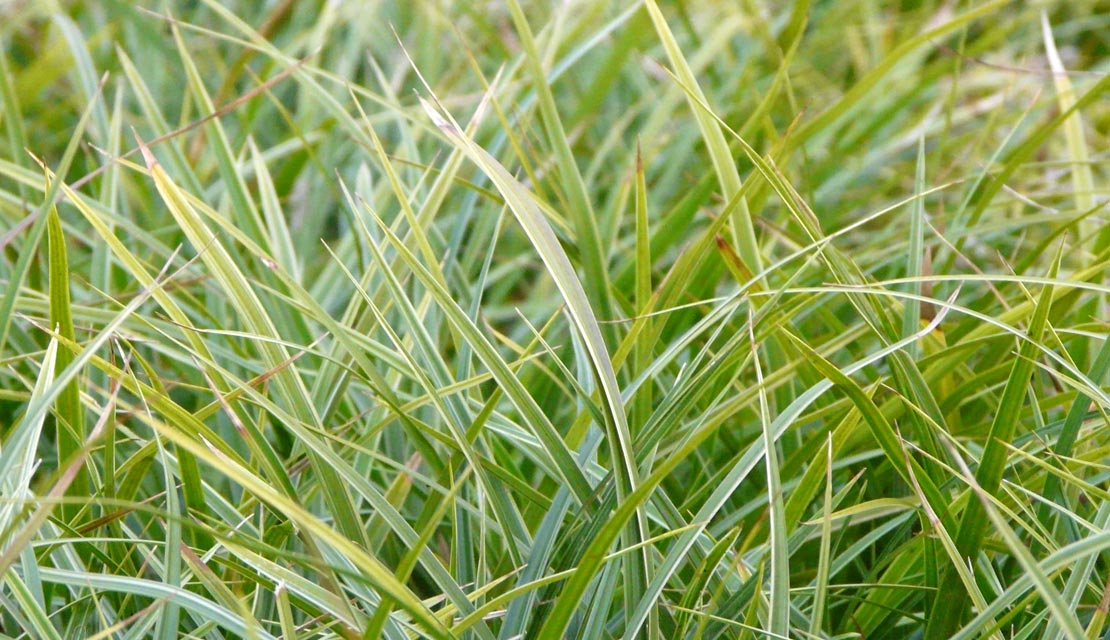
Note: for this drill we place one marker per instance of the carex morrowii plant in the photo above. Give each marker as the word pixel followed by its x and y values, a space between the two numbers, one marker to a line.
pixel 585 319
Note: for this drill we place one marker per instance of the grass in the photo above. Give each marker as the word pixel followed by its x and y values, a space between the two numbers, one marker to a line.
pixel 554 320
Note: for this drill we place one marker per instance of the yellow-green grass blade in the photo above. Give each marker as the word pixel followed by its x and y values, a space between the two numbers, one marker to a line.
pixel 39 621
pixel 544 241
pixel 137 270
pixel 17 457
pixel 1082 178
pixel 579 208
pixel 821 591
pixel 642 402
pixel 242 296
pixel 562 461
pixel 202 609
pixel 70 423
pixel 743 231
pixel 845 271
pixel 779 600
pixel 369 567
pixel 911 317
pixel 355 346
pixel 449 407
pixel 169 619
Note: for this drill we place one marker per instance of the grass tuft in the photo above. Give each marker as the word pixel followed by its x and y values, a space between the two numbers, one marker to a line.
pixel 554 320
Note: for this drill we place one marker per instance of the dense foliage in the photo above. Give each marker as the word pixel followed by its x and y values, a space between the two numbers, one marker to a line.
pixel 662 319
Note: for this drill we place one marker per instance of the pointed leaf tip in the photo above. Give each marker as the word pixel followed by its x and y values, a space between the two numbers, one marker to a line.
pixel 148 157
pixel 436 117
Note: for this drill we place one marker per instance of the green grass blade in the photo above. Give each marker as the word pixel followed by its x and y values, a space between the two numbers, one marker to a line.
pixel 581 313
pixel 948 612
pixel 71 422
pixel 779 605
pixel 912 315
pixel 17 275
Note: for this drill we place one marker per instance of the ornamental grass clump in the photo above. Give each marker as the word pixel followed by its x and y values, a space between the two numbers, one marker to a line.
pixel 554 320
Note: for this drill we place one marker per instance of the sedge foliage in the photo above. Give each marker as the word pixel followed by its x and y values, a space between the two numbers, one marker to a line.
pixel 585 319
